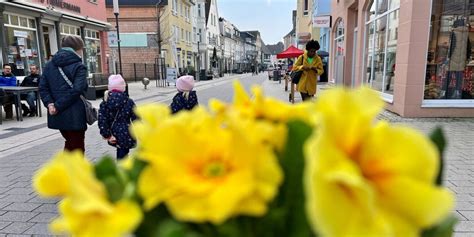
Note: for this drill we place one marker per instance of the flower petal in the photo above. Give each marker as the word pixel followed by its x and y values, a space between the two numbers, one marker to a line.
pixel 421 203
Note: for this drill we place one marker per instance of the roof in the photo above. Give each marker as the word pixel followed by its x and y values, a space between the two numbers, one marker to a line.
pixel 137 2
pixel 293 31
pixel 266 50
pixel 275 48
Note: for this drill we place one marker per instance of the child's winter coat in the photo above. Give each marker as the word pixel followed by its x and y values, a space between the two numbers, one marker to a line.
pixel 181 101
pixel 115 115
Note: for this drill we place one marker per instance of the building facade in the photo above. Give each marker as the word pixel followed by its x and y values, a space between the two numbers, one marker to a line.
pixel 143 39
pixel 213 39
pixel 290 38
pixel 322 15
pixel 304 29
pixel 32 30
pixel 417 54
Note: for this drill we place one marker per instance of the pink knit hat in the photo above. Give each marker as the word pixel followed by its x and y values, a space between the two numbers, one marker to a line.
pixel 185 83
pixel 116 83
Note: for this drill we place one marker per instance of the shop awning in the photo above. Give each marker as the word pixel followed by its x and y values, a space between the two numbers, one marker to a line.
pixel 291 52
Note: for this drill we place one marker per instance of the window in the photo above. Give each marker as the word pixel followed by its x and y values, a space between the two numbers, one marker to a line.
pixel 450 64
pixel 70 30
pixel 93 51
pixel 381 41
pixel 182 35
pixel 200 35
pixel 22 46
pixel 305 8
pixel 339 52
pixel 199 10
pixel 175 7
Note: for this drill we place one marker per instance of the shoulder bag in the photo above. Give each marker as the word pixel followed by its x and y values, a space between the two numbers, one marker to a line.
pixel 91 112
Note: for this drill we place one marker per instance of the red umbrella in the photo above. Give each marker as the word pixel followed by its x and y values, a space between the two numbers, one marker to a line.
pixel 290 52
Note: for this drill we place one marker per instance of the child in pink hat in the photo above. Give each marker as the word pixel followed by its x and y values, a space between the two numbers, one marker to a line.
pixel 115 116
pixel 186 98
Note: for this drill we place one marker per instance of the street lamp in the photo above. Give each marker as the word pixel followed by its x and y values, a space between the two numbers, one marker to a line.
pixel 116 13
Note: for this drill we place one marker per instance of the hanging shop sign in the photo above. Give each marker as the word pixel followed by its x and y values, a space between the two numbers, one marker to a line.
pixel 63 4
pixel 322 21
pixel 304 37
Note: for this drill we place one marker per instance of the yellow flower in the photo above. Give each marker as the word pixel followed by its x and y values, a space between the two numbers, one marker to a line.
pixel 119 219
pixel 203 170
pixel 266 115
pixel 367 179
pixel 85 209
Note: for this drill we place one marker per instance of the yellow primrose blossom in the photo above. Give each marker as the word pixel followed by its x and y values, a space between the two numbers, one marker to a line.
pixel 121 218
pixel 370 179
pixel 85 209
pixel 267 115
pixel 203 170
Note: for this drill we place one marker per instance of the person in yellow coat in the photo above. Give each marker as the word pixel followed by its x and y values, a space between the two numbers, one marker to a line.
pixel 312 66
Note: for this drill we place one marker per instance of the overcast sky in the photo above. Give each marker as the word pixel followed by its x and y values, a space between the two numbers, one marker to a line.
pixel 271 17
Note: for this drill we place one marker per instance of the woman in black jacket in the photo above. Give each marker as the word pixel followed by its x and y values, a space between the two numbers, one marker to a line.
pixel 66 110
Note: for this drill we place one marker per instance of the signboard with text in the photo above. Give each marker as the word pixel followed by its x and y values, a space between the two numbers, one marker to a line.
pixel 322 21
pixel 112 38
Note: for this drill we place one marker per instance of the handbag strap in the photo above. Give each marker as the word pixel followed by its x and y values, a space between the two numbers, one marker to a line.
pixel 65 77
pixel 69 81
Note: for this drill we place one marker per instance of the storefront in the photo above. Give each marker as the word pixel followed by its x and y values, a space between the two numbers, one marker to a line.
pixel 33 30
pixel 417 54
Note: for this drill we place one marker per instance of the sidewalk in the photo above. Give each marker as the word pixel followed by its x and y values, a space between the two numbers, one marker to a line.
pixel 16 135
pixel 459 153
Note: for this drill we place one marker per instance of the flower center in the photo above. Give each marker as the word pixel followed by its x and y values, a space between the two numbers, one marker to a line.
pixel 214 169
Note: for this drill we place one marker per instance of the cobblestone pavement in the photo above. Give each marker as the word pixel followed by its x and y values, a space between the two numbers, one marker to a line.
pixel 26 146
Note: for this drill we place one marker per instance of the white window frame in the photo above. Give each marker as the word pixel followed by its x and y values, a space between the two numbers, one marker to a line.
pixel 76 29
pixel 94 34
pixel 19 25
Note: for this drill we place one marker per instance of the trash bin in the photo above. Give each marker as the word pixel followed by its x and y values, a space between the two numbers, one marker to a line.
pixel 276 75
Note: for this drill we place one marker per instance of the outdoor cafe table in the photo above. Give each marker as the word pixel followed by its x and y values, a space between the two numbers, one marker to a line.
pixel 17 91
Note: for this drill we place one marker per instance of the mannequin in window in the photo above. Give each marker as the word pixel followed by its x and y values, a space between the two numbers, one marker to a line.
pixel 459 53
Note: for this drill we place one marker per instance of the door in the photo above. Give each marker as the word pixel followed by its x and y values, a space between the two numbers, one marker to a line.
pixel 50 46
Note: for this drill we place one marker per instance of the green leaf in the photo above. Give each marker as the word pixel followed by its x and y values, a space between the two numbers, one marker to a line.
pixel 107 172
pixel 444 229
pixel 438 138
pixel 105 167
pixel 138 166
pixel 291 198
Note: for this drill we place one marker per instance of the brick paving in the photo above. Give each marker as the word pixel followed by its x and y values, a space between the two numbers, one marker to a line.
pixel 27 145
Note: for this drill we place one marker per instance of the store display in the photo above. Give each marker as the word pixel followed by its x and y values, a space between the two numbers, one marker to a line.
pixel 21 41
pixel 12 50
pixel 22 51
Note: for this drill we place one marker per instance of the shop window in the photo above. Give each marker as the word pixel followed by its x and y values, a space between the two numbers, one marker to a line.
pixel 22 50
pixel 23 22
pixel 14 20
pixel 6 19
pixel 339 52
pixel 31 23
pixel 22 45
pixel 381 44
pixel 450 61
